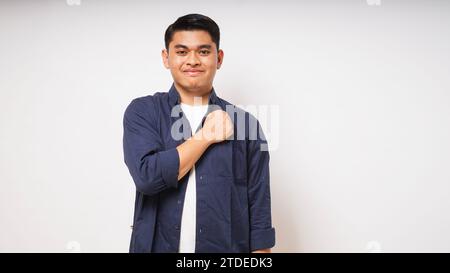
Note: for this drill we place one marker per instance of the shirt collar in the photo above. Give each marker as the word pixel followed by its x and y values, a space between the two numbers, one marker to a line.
pixel 174 96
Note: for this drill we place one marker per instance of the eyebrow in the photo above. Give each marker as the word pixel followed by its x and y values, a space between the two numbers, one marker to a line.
pixel 198 47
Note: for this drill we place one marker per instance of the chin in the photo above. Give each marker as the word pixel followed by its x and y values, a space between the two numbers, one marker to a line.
pixel 194 84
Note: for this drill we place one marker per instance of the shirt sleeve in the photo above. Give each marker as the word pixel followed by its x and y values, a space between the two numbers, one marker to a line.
pixel 262 234
pixel 152 168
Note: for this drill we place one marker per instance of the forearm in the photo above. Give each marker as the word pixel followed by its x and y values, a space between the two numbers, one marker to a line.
pixel 190 151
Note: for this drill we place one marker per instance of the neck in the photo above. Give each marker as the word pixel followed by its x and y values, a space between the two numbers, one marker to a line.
pixel 199 97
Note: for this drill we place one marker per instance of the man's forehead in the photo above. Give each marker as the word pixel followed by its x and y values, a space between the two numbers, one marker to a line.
pixel 192 39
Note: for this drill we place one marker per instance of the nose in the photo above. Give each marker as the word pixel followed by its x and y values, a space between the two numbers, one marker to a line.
pixel 193 59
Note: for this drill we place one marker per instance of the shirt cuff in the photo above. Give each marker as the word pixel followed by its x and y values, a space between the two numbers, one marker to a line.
pixel 262 239
pixel 170 164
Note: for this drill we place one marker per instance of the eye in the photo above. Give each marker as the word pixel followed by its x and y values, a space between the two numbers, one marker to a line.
pixel 204 52
pixel 181 52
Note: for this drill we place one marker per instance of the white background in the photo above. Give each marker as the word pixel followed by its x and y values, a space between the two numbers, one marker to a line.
pixel 362 161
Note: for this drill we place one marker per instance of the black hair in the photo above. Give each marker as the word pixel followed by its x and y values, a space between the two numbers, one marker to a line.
pixel 193 22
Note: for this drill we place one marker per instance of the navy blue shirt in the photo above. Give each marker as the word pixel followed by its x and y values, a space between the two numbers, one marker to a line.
pixel 232 179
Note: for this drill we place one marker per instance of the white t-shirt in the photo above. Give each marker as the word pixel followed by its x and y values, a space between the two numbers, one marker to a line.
pixel 194 115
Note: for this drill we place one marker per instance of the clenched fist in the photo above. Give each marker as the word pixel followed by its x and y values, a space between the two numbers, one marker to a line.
pixel 217 127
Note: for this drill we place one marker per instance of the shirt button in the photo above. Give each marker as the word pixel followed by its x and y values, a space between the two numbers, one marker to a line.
pixel 177 227
pixel 202 180
pixel 179 202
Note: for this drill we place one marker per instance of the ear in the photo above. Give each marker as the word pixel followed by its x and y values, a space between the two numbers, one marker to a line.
pixel 165 58
pixel 220 55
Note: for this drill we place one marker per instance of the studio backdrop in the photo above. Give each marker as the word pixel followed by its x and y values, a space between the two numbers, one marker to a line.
pixel 356 92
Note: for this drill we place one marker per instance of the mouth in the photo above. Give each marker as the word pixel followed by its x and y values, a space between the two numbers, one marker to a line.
pixel 192 73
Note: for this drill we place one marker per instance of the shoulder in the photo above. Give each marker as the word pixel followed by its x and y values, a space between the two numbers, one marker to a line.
pixel 148 100
pixel 240 112
pixel 146 104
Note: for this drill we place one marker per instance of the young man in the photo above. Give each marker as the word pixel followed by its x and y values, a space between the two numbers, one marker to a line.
pixel 201 176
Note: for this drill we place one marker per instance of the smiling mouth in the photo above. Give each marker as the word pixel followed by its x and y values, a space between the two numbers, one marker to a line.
pixel 192 73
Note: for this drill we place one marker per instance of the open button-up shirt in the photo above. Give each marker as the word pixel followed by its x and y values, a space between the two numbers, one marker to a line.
pixel 233 191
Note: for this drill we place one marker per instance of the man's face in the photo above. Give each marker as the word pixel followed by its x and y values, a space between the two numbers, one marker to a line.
pixel 193 60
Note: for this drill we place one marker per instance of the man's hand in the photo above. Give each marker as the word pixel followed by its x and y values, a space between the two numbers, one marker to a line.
pixel 217 127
